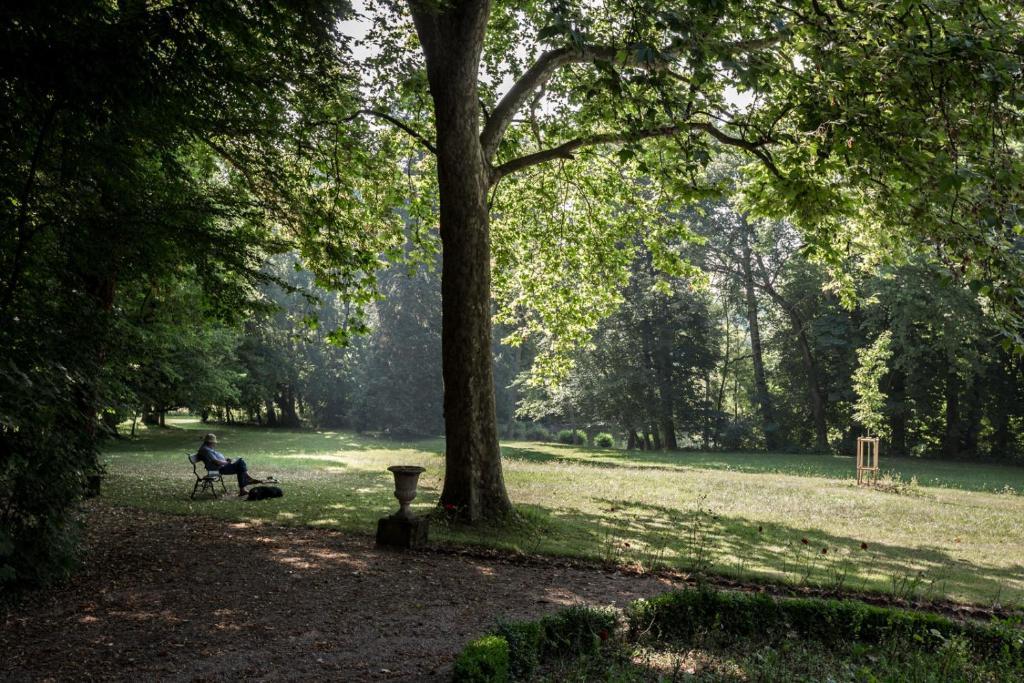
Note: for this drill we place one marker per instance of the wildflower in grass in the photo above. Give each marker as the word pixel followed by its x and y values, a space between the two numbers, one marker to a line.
pixel 449 507
pixel 863 546
pixel 804 541
pixel 760 529
pixel 824 551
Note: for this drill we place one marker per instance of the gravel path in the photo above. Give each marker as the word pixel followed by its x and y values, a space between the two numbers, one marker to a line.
pixel 196 599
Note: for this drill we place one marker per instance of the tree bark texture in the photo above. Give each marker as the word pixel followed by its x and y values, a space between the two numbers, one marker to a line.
pixel 451 35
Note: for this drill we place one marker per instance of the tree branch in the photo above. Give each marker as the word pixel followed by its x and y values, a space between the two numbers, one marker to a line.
pixel 552 60
pixel 566 149
pixel 398 123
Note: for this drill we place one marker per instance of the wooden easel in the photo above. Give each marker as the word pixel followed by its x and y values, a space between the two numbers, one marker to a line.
pixel 867 460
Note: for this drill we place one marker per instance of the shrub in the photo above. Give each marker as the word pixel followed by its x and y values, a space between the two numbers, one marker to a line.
pixel 578 630
pixel 572 437
pixel 582 638
pixel 525 641
pixel 537 432
pixel 485 659
pixel 604 440
pixel 682 614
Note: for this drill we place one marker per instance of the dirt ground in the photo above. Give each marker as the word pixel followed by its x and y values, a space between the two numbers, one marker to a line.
pixel 195 599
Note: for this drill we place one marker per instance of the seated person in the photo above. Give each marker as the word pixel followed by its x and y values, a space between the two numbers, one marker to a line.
pixel 217 462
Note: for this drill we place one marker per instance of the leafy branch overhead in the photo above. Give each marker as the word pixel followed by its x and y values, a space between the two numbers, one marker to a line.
pixel 891 128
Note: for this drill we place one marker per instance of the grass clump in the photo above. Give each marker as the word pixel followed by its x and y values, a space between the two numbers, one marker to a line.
pixel 604 440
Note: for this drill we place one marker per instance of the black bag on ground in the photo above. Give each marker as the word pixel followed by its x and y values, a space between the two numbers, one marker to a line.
pixel 261 492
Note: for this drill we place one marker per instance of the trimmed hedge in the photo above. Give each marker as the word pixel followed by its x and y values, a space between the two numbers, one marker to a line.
pixel 681 614
pixel 516 649
pixel 574 631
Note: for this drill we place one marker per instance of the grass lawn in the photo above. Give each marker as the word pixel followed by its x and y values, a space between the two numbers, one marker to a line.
pixel 958 534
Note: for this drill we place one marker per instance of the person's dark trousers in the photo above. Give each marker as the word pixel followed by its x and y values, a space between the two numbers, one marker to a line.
pixel 237 467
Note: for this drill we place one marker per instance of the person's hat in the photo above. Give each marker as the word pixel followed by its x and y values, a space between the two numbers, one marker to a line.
pixel 210 438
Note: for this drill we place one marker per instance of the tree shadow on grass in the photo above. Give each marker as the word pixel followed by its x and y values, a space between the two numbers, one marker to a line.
pixel 651 535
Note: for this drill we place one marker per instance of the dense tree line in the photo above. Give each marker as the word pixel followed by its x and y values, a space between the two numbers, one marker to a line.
pixel 760 356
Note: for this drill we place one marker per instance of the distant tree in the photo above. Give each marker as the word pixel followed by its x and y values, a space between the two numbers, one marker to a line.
pixel 645 366
pixel 872 366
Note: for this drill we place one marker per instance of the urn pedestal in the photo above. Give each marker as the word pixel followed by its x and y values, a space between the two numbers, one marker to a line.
pixel 403 529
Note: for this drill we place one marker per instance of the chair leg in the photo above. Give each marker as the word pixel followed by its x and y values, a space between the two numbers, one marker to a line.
pixel 223 488
pixel 196 486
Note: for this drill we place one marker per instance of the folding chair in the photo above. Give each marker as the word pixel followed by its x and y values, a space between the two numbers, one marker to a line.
pixel 207 482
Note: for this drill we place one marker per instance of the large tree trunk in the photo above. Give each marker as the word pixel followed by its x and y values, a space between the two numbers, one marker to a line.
pixel 762 397
pixel 452 38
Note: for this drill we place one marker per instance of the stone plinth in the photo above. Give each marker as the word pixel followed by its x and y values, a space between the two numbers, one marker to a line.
pixel 398 532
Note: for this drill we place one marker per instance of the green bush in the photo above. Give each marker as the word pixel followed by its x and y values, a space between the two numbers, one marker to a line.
pixel 578 630
pixel 583 639
pixel 515 649
pixel 483 660
pixel 537 432
pixel 572 437
pixel 525 641
pixel 604 440
pixel 680 615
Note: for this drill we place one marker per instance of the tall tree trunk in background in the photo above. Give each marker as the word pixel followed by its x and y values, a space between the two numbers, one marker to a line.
pixel 271 414
pixel 705 437
pixel 972 425
pixel 815 389
pixel 285 398
pixel 510 430
pixel 451 35
pixel 656 437
pixel 898 412
pixel 951 436
pixel 762 397
pixel 658 359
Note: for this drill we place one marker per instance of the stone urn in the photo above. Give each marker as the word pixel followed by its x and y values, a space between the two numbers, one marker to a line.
pixel 406 478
